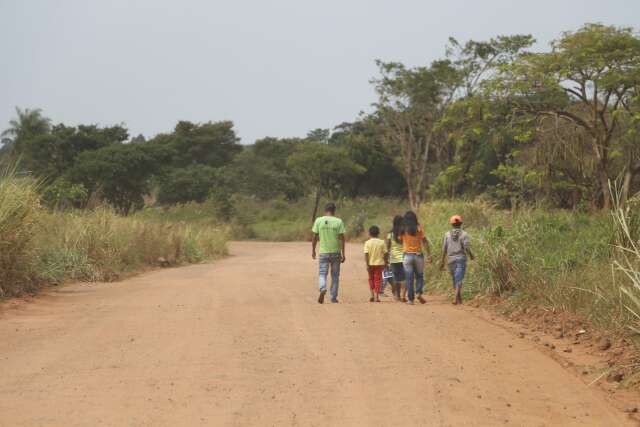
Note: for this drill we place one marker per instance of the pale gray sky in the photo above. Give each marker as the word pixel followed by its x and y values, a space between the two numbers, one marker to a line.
pixel 274 67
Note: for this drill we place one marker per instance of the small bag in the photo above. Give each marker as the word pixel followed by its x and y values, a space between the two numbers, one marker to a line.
pixel 387 274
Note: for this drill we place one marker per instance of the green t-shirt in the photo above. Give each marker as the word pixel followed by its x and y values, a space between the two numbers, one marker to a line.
pixel 328 228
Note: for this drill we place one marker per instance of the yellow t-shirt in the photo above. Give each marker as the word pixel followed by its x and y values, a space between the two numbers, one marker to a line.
pixel 395 255
pixel 376 249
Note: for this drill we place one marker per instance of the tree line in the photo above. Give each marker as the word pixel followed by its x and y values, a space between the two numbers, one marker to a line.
pixel 491 119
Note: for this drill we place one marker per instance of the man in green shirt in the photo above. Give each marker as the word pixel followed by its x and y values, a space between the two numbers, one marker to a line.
pixel 329 230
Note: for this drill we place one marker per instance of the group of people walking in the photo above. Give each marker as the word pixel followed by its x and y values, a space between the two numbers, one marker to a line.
pixel 398 259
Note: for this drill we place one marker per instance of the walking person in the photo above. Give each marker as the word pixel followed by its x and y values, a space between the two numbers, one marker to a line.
pixel 329 230
pixel 394 249
pixel 413 242
pixel 455 248
pixel 376 258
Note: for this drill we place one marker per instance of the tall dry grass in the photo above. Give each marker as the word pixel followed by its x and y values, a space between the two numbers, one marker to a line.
pixel 39 246
pixel 19 211
pixel 627 256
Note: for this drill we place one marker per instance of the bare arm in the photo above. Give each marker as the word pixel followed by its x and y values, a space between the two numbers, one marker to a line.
pixel 342 246
pixel 427 248
pixel 366 260
pixel 471 256
pixel 314 242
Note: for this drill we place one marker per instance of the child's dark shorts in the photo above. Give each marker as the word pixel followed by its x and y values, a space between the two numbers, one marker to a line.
pixel 398 271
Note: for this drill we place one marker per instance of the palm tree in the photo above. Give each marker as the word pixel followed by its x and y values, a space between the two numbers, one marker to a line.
pixel 27 123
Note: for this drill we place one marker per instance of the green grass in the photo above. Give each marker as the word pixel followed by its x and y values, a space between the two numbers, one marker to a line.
pixel 555 260
pixel 282 221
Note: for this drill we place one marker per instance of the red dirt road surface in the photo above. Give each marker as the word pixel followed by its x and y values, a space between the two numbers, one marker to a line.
pixel 243 342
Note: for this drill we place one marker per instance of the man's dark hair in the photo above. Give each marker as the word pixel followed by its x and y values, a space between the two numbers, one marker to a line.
pixel 330 207
pixel 374 231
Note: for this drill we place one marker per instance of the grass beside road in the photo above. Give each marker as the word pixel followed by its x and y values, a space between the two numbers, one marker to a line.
pixel 38 246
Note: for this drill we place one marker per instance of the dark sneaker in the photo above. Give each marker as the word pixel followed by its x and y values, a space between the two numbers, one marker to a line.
pixel 333 300
pixel 321 297
pixel 422 300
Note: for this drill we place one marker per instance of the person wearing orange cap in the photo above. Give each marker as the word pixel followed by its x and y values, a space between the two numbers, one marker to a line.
pixel 455 248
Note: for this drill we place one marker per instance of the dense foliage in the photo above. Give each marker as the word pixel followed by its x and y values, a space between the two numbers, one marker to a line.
pixel 491 118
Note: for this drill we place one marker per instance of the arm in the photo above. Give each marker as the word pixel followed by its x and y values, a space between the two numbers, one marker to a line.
pixel 314 242
pixel 366 260
pixel 427 248
pixel 471 256
pixel 466 243
pixel 342 245
pixel 444 253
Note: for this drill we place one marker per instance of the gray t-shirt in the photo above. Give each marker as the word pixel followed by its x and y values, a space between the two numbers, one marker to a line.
pixel 454 244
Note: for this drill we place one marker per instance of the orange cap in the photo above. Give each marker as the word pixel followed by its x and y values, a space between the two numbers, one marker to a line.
pixel 456 219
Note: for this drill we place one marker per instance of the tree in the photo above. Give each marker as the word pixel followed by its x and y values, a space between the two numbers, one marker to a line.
pixel 28 124
pixel 189 184
pixel 261 169
pixel 52 154
pixel 211 144
pixel 119 173
pixel 322 169
pixel 319 135
pixel 474 124
pixel 410 104
pixel 365 145
pixel 587 79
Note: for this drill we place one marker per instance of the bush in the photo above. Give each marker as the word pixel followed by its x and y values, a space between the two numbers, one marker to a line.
pixel 62 194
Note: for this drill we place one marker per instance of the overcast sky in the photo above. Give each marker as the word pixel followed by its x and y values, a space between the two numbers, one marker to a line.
pixel 274 67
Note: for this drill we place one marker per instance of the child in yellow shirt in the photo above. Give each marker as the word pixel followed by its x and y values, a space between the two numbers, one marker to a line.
pixel 376 257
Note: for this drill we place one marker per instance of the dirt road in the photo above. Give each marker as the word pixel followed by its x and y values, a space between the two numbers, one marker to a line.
pixel 243 342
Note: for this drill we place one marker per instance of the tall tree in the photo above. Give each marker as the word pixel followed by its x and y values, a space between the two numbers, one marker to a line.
pixel 411 101
pixel 120 173
pixel 27 124
pixel 211 144
pixel 587 79
pixel 323 169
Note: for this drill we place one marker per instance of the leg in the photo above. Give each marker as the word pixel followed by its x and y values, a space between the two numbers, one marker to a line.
pixel 398 275
pixel 372 285
pixel 377 281
pixel 335 277
pixel 323 270
pixel 408 274
pixel 461 267
pixel 419 272
pixel 452 271
pixel 395 288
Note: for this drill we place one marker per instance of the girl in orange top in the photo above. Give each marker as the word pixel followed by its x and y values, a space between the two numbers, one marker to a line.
pixel 413 240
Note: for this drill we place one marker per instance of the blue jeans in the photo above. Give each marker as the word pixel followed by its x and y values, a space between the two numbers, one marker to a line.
pixel 457 269
pixel 332 260
pixel 413 267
